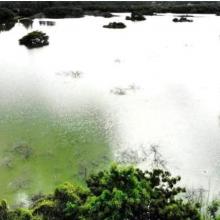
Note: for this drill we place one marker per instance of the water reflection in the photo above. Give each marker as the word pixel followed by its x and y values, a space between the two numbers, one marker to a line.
pixel 28 23
pixel 47 23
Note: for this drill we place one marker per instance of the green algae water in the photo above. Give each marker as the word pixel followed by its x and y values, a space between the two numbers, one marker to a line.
pixel 40 151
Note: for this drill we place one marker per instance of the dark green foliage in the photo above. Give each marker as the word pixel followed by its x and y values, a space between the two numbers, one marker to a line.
pixel 63 205
pixel 20 214
pixel 213 209
pixel 6 15
pixel 128 193
pixel 3 210
pixel 63 12
pixel 34 39
pixel 120 193
pixel 115 25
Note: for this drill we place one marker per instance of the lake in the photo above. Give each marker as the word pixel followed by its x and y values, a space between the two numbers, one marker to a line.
pixel 98 95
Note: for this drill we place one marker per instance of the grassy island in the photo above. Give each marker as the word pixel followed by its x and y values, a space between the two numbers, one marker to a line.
pixel 34 39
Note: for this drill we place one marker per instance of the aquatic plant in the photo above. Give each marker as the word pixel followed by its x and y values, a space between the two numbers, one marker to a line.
pixel 118 91
pixel 124 90
pixel 115 25
pixel 182 19
pixel 23 150
pixel 34 39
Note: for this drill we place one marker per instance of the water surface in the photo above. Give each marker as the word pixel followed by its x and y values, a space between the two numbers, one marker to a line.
pixel 94 94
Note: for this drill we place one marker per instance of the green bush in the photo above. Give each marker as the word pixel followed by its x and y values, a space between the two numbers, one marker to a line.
pixel 129 193
pixel 34 39
pixel 120 193
pixel 20 214
pixel 3 210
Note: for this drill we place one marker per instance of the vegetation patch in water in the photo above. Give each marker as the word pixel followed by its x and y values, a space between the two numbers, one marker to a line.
pixel 136 16
pixel 115 25
pixel 34 39
pixel 23 150
pixel 182 19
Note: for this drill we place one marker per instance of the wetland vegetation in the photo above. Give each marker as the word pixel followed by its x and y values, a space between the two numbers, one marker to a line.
pixel 115 25
pixel 34 39
pixel 117 193
pixel 182 19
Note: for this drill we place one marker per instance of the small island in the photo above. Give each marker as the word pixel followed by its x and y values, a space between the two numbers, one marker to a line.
pixel 135 16
pixel 34 39
pixel 182 19
pixel 115 25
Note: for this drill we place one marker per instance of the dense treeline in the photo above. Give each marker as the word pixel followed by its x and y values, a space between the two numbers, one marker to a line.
pixel 77 9
pixel 120 193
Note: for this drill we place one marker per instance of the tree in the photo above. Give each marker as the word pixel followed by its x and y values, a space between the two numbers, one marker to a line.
pixel 6 15
pixel 120 193
pixel 64 204
pixel 131 194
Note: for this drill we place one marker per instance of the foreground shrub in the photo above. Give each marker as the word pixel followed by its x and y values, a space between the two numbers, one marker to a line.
pixel 120 193
pixel 129 193
pixel 64 204
pixel 3 210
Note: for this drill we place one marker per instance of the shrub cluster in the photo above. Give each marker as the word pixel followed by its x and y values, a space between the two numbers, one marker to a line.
pixel 34 39
pixel 120 193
